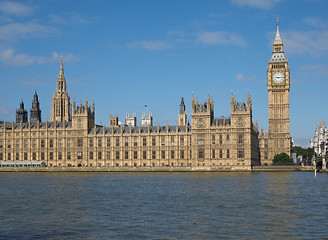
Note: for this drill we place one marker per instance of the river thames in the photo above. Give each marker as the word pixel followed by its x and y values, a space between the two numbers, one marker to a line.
pixel 284 205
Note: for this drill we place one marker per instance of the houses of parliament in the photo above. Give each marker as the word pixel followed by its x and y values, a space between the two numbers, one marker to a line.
pixel 73 139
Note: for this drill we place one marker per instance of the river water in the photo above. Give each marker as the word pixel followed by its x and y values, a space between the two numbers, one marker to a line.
pixel 292 205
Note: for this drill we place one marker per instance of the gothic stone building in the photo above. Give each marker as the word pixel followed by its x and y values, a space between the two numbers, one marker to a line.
pixel 72 138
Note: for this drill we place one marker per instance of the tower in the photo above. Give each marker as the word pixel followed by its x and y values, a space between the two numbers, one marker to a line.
pixel 35 113
pixel 21 114
pixel 182 114
pixel 60 105
pixel 83 117
pixel 278 82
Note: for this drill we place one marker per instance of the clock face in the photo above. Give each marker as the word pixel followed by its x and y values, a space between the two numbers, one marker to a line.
pixel 278 77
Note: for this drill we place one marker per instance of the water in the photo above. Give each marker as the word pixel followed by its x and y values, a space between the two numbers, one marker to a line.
pixel 291 205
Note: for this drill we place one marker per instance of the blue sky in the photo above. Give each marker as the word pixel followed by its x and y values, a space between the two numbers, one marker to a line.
pixel 125 54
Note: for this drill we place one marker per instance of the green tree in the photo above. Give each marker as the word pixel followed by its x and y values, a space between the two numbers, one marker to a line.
pixel 282 159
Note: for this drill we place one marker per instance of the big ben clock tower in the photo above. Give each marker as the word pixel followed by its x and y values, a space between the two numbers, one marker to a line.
pixel 278 82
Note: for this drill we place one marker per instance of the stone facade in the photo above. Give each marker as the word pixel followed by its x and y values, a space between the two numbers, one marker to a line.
pixel 320 139
pixel 72 138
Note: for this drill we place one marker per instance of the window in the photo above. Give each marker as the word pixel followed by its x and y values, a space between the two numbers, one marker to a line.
pixel 181 141
pixel 99 142
pixel 201 139
pixel 135 155
pixel 144 154
pixel 80 142
pixel 153 141
pixel 153 154
pixel 25 156
pixel 266 143
pixel 163 141
pixel 228 139
pixel 240 138
pixel 60 143
pixel 1 144
pixel 126 154
pixel 172 154
pixel 99 155
pixel 144 141
pixel 1 156
pixel 240 153
pixel 213 139
pixel 163 154
pixel 42 143
pixel 265 155
pixel 60 156
pixel 9 144
pixel 69 143
pixel 91 143
pixel 17 143
pixel 108 142
pixel 201 123
pixel 17 156
pixel 79 155
pixel 33 143
pixel 126 141
pixel 117 155
pixel 9 156
pixel 42 156
pixel 79 123
pixel 221 153
pixel 51 143
pixel 69 155
pixel 240 122
pixel 51 155
pixel 201 153
pixel 182 154
pixel 90 155
pixel 108 154
pixel 172 141
pixel 117 142
pixel 135 141
pixel 213 153
pixel 220 139
pixel 25 143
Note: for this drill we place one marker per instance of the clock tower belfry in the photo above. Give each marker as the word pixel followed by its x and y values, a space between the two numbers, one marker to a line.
pixel 278 82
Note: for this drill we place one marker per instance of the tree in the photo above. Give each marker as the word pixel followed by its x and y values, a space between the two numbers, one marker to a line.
pixel 282 159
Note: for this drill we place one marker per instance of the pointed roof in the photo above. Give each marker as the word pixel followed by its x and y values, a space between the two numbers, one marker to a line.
pixel 277 39
pixel 61 71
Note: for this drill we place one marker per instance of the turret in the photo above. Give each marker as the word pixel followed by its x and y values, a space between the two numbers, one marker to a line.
pixel 35 113
pixel 21 114
pixel 182 113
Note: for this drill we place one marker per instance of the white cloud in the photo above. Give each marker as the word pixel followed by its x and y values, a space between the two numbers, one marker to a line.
pixel 65 20
pixel 15 8
pixel 241 78
pixel 317 22
pixel 316 69
pixel 150 45
pixel 8 57
pixel 313 43
pixel 221 38
pixel 14 31
pixel 263 4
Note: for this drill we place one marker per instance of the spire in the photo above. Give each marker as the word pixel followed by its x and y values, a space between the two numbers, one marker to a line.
pixel 277 39
pixel 61 82
pixel 61 71
pixel 182 107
